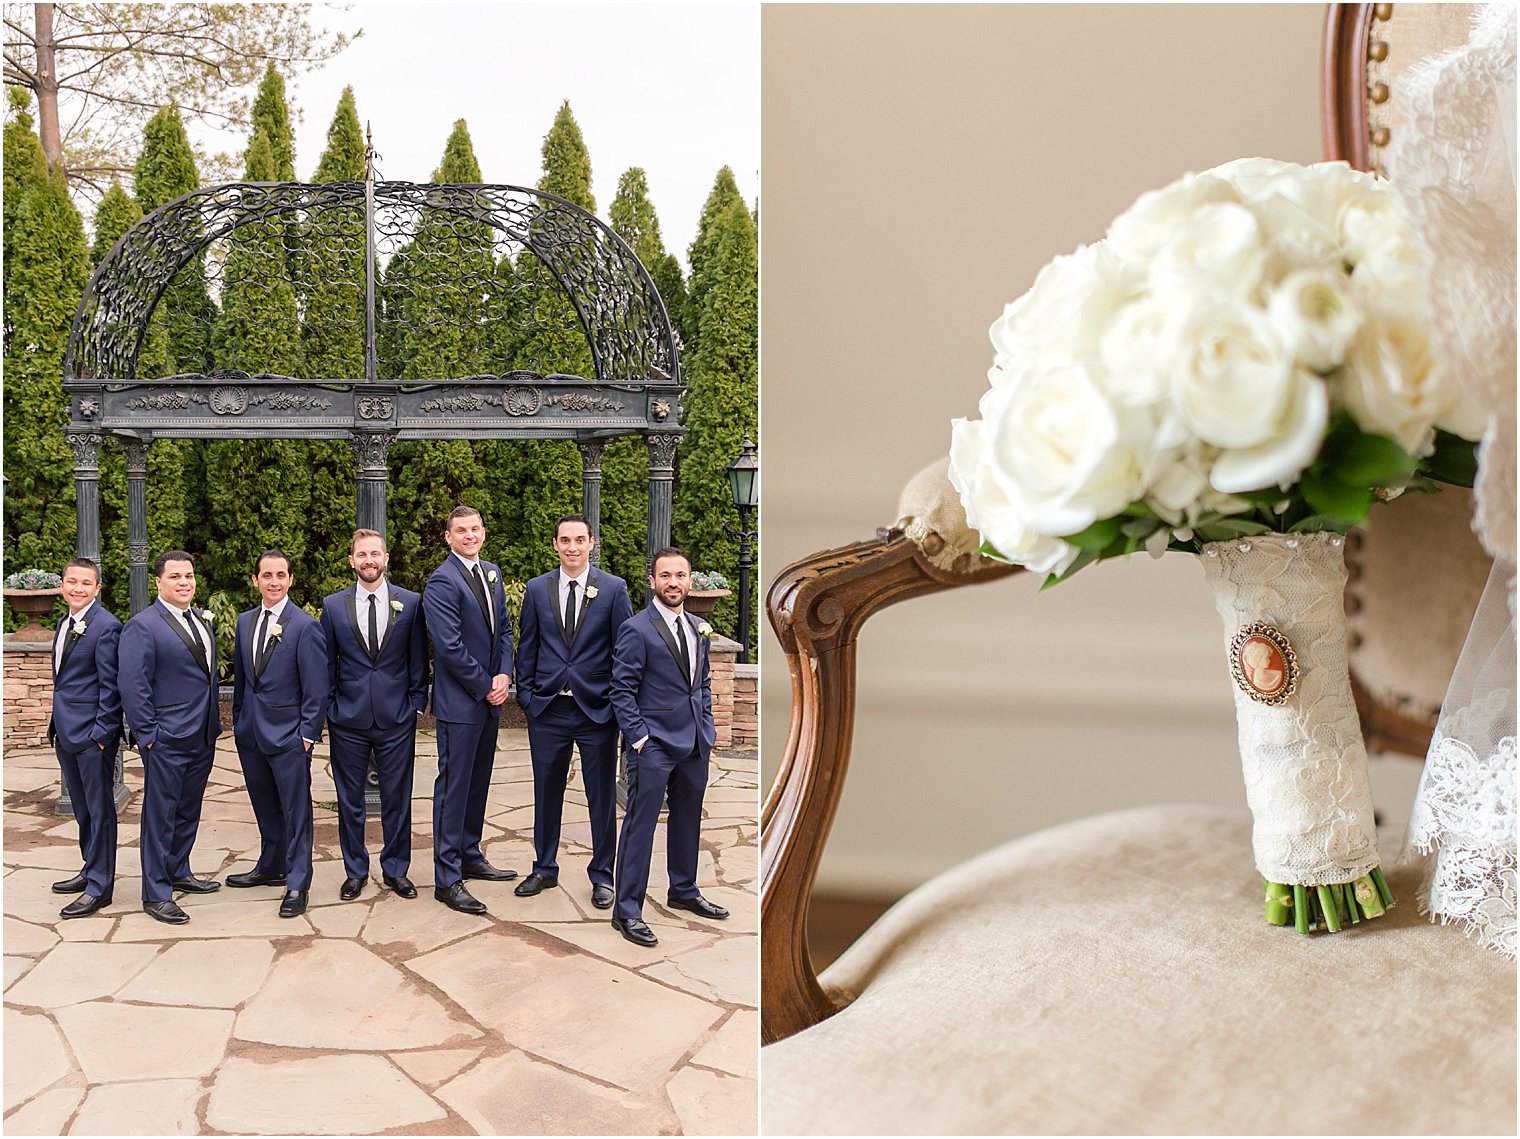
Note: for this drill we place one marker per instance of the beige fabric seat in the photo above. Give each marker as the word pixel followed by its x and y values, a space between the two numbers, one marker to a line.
pixel 1085 980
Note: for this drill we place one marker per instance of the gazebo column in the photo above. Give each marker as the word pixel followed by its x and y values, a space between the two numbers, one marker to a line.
pixel 662 469
pixel 370 451
pixel 591 491
pixel 86 447
pixel 137 521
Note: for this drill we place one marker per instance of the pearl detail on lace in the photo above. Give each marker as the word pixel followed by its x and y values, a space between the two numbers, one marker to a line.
pixel 1291 543
pixel 1244 547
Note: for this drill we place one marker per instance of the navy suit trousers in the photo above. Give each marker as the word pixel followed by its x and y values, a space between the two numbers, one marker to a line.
pixel 654 774
pixel 174 784
pixel 88 774
pixel 551 737
pixel 466 754
pixel 279 786
pixel 395 756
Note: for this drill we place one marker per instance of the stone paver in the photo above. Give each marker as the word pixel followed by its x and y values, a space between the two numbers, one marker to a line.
pixel 338 986
pixel 516 1095
pixel 296 1097
pixel 34 1056
pixel 203 974
pixel 80 972
pixel 140 1042
pixel 152 1107
pixel 242 1022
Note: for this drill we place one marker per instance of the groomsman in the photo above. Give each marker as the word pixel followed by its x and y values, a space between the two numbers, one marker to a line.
pixel 662 694
pixel 570 617
pixel 378 672
pixel 84 730
pixel 466 611
pixel 168 692
pixel 279 698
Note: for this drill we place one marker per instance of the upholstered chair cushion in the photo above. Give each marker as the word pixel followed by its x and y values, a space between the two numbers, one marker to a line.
pixel 1114 976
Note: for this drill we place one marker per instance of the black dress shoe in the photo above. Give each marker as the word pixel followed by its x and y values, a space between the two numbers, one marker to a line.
pixel 456 897
pixel 351 888
pixel 698 905
pixel 601 896
pixel 488 873
pixel 253 878
pixel 85 905
pixel 194 885
pixel 534 884
pixel 74 885
pixel 293 904
pixel 166 912
pixel 635 931
pixel 402 885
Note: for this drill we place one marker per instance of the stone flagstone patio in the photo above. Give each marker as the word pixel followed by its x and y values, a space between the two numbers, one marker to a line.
pixel 377 1016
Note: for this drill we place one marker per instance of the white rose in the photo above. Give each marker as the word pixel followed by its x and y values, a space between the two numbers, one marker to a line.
pixel 1316 314
pixel 1393 385
pixel 1065 310
pixel 1236 388
pixel 1137 235
pixel 1056 442
pixel 1136 351
pixel 1220 247
pixel 992 512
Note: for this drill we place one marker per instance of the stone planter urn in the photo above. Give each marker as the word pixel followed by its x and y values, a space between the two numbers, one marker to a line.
pixel 33 604
pixel 701 602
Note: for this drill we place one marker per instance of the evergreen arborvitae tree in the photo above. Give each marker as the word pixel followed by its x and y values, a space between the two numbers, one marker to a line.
pixel 721 400
pixel 724 193
pixel 434 299
pixel 258 331
pixel 118 212
pixel 47 269
pixel 332 335
pixel 25 167
pixel 272 114
pixel 545 477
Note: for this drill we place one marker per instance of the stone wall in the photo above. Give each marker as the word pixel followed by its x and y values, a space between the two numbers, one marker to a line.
pixel 720 660
pixel 745 733
pixel 28 692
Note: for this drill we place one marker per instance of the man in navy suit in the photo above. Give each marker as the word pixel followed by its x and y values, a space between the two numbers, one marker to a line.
pixel 279 699
pixel 84 730
pixel 378 673
pixel 662 694
pixel 168 692
pixel 467 621
pixel 570 617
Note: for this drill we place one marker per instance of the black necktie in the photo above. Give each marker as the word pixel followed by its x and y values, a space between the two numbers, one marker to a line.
pixel 69 637
pixel 480 592
pixel 374 629
pixel 261 643
pixel 680 631
pixel 570 611
pixel 195 635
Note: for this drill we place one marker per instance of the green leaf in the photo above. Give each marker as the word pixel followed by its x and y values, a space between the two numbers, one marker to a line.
pixel 1454 461
pixel 1318 523
pixel 1226 528
pixel 1366 460
pixel 1084 559
pixel 1096 536
pixel 1335 499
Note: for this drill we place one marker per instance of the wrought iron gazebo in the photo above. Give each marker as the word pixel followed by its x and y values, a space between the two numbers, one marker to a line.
pixel 371 265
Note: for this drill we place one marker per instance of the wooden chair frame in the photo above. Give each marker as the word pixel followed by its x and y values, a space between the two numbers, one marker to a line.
pixel 817 607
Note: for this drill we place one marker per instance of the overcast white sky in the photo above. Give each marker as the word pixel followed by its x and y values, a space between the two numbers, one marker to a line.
pixel 671 87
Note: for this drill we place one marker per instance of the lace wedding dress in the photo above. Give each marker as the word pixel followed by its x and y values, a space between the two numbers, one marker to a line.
pixel 1454 163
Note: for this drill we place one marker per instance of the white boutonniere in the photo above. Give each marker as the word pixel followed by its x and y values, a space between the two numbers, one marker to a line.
pixel 397 607
pixel 208 616
pixel 491 576
pixel 80 625
pixel 276 633
pixel 704 630
pixel 591 592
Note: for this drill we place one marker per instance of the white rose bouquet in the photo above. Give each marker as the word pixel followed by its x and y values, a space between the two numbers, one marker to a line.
pixel 1239 369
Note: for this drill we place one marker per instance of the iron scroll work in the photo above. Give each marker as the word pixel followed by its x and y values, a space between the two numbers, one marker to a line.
pixel 374 276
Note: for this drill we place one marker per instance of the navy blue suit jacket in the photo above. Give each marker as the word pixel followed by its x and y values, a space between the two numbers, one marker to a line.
pixel 273 710
pixel 388 690
pixel 650 693
pixel 166 689
pixel 467 654
pixel 547 661
pixel 86 699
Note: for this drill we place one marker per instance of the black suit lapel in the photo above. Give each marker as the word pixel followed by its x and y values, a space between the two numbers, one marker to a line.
pixel 479 594
pixel 196 651
pixel 390 627
pixel 669 639
pixel 580 617
pixel 554 607
pixel 351 607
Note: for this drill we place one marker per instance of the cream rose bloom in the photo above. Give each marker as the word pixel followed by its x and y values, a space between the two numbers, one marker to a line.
pixel 993 511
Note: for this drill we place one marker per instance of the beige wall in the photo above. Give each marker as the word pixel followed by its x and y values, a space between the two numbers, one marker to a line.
pixel 920 164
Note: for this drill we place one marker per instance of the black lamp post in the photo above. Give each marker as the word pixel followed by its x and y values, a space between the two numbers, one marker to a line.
pixel 744 481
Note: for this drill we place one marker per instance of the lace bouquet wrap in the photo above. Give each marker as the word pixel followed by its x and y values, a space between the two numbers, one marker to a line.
pixel 1238 370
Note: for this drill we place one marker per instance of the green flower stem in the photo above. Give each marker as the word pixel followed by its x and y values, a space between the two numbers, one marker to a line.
pixel 1279 909
pixel 1327 908
pixel 1376 874
pixel 1353 911
pixel 1330 907
pixel 1301 914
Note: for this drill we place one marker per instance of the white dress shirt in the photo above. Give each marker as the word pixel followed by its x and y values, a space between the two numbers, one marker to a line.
pixel 62 635
pixel 382 596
